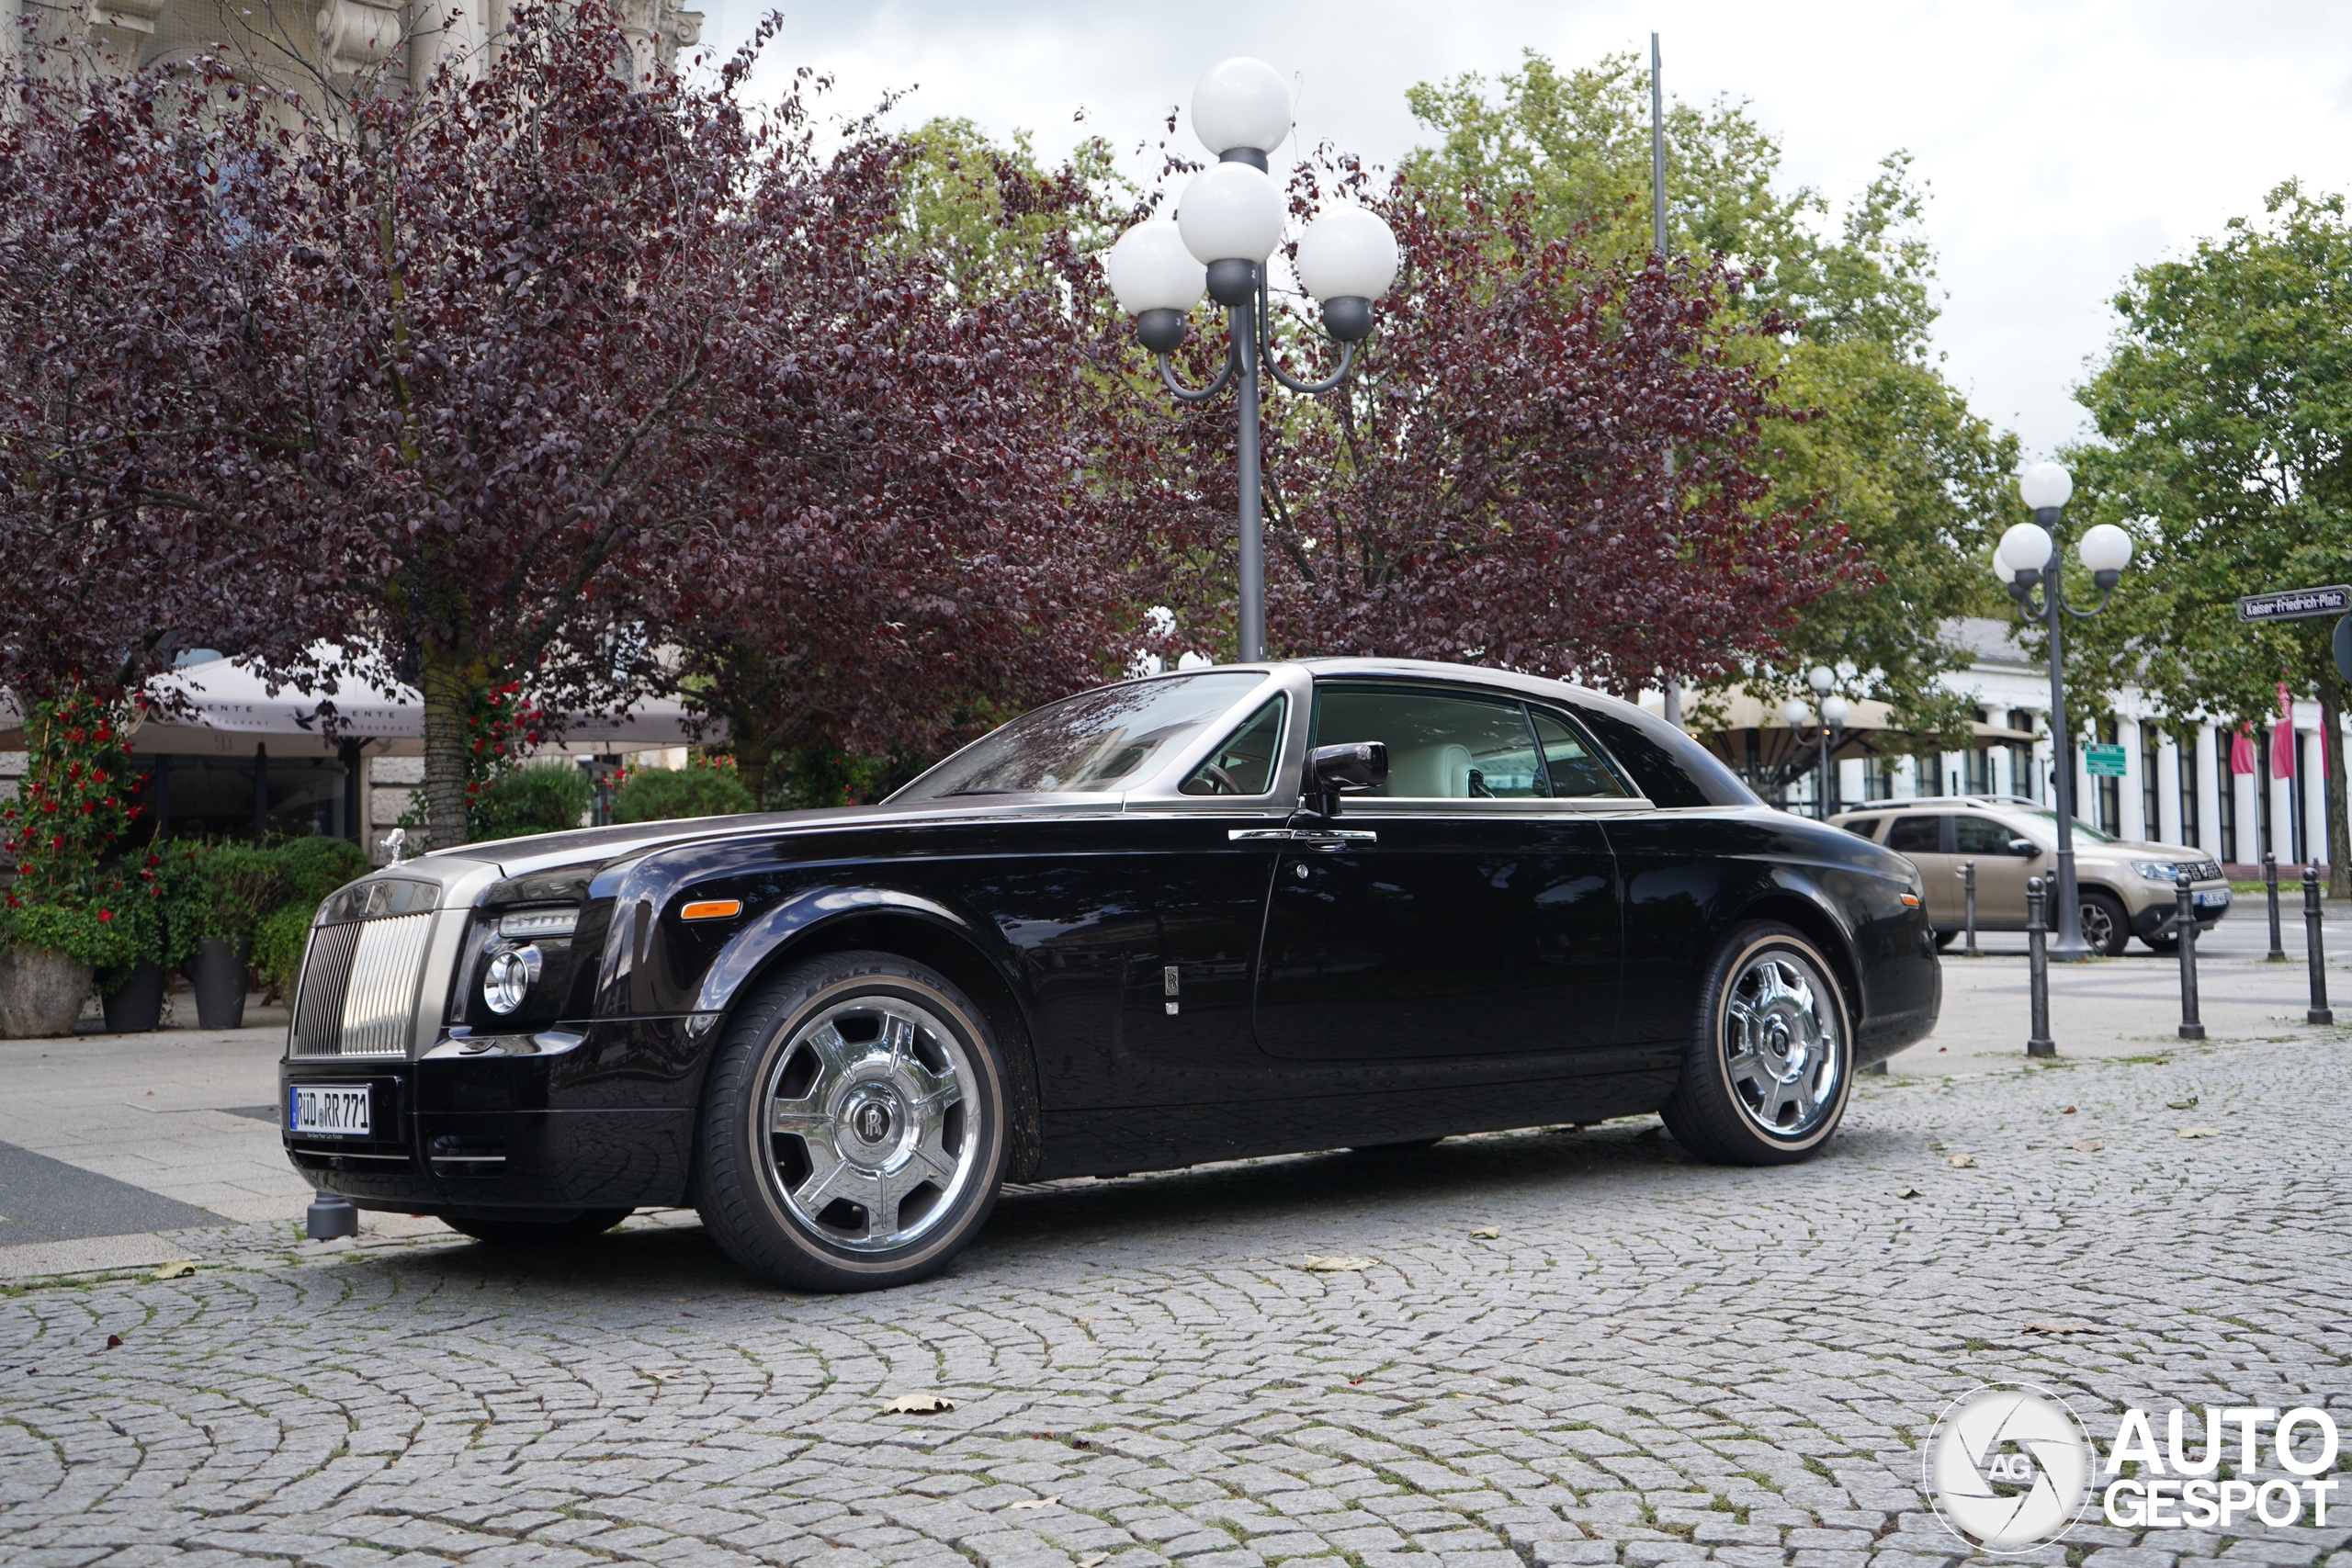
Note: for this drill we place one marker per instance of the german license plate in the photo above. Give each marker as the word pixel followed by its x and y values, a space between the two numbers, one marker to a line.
pixel 2217 899
pixel 328 1108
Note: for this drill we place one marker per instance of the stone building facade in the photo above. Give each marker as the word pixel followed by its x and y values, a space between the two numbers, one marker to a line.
pixel 314 46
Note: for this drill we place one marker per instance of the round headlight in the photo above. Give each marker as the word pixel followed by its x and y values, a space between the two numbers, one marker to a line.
pixel 509 978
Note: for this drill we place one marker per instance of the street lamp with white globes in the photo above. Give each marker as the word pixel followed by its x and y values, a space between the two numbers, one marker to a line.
pixel 2027 556
pixel 1228 222
pixel 1825 728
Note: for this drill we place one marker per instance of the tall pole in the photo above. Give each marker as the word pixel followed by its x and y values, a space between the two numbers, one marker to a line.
pixel 2068 923
pixel 1657 243
pixel 1243 323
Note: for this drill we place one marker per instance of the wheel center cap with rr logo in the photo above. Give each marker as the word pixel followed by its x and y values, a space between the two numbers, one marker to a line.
pixel 870 1117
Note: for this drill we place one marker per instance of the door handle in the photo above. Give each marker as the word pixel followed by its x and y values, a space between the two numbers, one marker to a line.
pixel 1323 839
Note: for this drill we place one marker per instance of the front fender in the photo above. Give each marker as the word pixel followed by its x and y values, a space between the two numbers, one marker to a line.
pixel 800 914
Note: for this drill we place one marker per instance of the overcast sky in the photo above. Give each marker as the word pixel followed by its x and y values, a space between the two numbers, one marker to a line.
pixel 2065 144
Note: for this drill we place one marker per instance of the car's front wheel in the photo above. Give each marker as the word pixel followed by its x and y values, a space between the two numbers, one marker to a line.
pixel 853 1131
pixel 1771 1054
pixel 2106 928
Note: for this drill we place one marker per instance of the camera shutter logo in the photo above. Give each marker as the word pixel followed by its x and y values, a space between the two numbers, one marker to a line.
pixel 2008 1468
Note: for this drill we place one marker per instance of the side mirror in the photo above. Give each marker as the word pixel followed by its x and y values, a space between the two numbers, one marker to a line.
pixel 2025 849
pixel 1333 771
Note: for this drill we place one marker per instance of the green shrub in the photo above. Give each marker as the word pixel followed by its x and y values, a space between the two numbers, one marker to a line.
pixel 658 795
pixel 241 884
pixel 279 942
pixel 546 798
pixel 317 865
pixel 94 936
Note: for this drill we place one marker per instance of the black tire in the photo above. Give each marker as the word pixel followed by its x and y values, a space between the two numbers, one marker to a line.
pixel 2106 927
pixel 753 1182
pixel 537 1232
pixel 1717 1115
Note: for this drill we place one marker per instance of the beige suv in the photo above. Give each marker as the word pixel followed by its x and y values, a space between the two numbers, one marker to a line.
pixel 2127 889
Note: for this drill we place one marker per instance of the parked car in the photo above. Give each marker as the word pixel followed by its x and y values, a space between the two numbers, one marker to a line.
pixel 2126 888
pixel 1241 911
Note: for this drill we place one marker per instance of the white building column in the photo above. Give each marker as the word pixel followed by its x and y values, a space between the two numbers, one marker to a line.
pixel 2168 792
pixel 1906 777
pixel 2307 762
pixel 2132 801
pixel 2282 812
pixel 2246 791
pixel 445 30
pixel 2206 765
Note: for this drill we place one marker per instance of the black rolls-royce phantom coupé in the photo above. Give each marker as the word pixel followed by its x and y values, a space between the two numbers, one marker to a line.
pixel 1239 911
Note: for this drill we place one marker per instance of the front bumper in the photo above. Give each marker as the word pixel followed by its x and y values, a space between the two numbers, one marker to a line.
pixel 551 1130
pixel 2160 907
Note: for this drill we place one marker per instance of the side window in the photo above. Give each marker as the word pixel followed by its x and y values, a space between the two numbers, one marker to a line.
pixel 1864 827
pixel 1980 836
pixel 1917 836
pixel 1440 746
pixel 1245 764
pixel 1576 773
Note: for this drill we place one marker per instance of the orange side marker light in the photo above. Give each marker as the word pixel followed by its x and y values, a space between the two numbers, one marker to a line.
pixel 1910 898
pixel 712 909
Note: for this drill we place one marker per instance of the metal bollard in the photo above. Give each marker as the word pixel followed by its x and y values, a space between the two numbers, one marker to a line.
pixel 1968 887
pixel 332 1215
pixel 2036 928
pixel 2184 922
pixel 2276 954
pixel 2321 1013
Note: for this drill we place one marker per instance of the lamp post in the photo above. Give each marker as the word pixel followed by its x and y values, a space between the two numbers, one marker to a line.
pixel 2028 555
pixel 1826 729
pixel 1227 223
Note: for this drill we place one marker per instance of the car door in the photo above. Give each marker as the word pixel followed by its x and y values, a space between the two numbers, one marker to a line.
pixel 1924 837
pixel 1464 909
pixel 2000 876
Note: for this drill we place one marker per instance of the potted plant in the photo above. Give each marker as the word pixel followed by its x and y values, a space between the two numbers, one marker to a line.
pixel 67 914
pixel 240 887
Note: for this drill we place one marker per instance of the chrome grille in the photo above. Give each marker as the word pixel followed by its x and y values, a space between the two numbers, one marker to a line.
pixel 358 996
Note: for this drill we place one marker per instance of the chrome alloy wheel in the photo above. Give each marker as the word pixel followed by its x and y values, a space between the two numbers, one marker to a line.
pixel 1780 1039
pixel 870 1140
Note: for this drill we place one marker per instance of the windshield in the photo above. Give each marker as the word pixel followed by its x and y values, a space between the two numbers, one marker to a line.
pixel 2084 833
pixel 1096 740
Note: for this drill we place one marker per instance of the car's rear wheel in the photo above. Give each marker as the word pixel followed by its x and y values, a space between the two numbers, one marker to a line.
pixel 536 1233
pixel 1771 1060
pixel 852 1131
pixel 2106 928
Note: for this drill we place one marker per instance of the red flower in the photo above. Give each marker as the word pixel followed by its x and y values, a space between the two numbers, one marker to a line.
pixel 106 914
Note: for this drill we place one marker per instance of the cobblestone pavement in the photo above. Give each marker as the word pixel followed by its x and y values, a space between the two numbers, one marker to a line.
pixel 1653 1361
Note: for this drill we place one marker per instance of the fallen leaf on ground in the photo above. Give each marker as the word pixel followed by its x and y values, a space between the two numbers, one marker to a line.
pixel 2068 1112
pixel 1035 1503
pixel 178 1268
pixel 1963 1161
pixel 919 1404
pixel 2062 1328
pixel 2087 1146
pixel 1906 1192
pixel 2188 1104
pixel 1093 1559
pixel 2200 1132
pixel 113 1341
pixel 1487 1233
pixel 659 1377
pixel 1936 1147
pixel 1317 1265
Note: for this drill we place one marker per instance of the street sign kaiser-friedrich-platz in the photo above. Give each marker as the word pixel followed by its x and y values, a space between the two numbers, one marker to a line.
pixel 2296 604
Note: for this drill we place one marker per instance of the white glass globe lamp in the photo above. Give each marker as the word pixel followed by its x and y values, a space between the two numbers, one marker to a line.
pixel 1231 218
pixel 1793 713
pixel 1241 103
pixel 2025 547
pixel 2045 486
pixel 1834 710
pixel 1347 259
pixel 1821 680
pixel 1157 281
pixel 2106 549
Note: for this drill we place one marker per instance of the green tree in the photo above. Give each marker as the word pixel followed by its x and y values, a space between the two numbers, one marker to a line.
pixel 1881 442
pixel 2225 410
